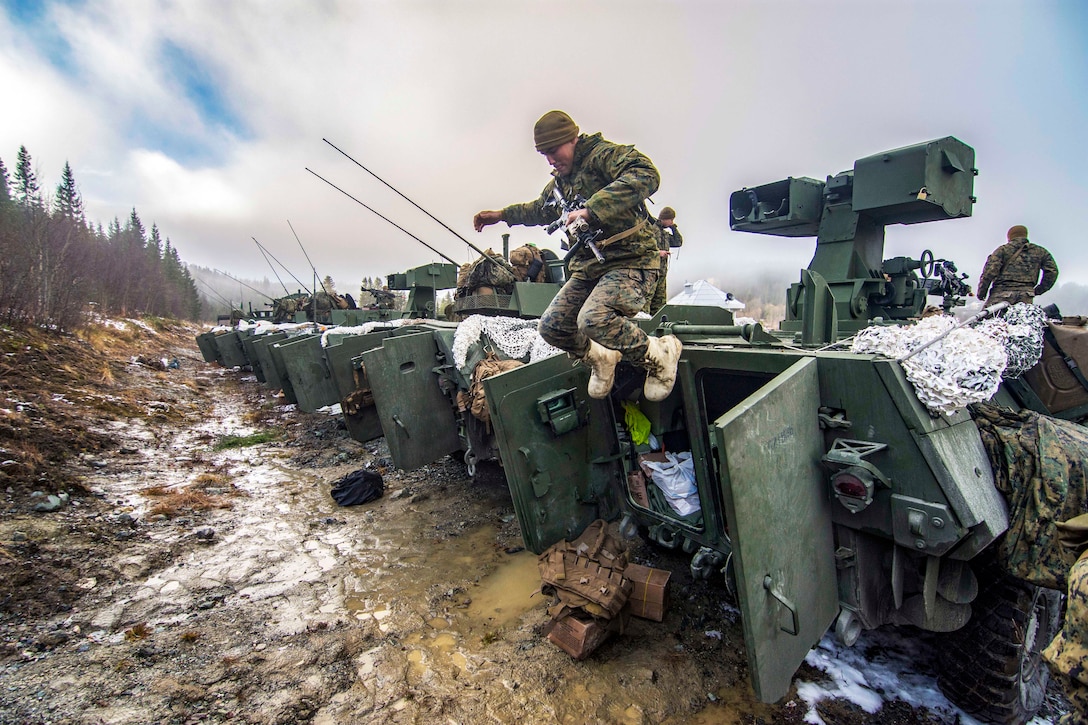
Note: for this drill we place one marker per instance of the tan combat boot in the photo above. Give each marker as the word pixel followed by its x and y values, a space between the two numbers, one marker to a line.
pixel 602 362
pixel 662 355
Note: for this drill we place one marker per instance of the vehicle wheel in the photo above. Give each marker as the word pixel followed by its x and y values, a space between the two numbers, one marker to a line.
pixel 993 667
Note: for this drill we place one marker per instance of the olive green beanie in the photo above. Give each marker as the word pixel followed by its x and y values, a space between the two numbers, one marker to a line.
pixel 667 213
pixel 554 129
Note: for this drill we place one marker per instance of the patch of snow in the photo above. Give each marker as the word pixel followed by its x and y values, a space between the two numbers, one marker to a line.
pixel 882 665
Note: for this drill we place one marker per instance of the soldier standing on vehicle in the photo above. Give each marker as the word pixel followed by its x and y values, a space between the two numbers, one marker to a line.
pixel 590 316
pixel 668 236
pixel 1013 270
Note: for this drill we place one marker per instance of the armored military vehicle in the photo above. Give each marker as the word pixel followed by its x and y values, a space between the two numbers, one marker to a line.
pixel 826 495
pixel 418 388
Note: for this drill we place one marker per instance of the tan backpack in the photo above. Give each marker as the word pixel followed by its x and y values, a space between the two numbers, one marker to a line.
pixel 476 401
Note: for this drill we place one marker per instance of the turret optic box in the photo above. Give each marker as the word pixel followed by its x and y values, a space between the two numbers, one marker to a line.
pixel 787 208
pixel 437 275
pixel 921 183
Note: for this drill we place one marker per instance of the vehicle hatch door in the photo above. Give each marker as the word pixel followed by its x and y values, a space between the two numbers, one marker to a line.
pixel 416 416
pixel 555 447
pixel 778 513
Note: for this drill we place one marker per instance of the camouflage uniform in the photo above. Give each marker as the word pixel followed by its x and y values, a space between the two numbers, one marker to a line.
pixel 598 298
pixel 667 237
pixel 1067 654
pixel 1013 270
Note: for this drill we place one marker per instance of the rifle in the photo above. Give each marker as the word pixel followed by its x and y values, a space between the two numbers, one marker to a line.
pixel 579 231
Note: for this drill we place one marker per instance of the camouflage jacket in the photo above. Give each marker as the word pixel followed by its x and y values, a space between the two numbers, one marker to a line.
pixel 667 237
pixel 615 180
pixel 1068 651
pixel 1015 267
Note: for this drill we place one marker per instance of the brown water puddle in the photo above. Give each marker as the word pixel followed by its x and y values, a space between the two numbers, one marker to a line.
pixel 501 592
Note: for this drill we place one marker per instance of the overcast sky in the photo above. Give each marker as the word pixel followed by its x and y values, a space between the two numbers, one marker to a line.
pixel 205 114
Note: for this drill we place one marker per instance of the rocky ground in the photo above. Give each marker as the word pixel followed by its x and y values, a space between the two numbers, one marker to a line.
pixel 188 564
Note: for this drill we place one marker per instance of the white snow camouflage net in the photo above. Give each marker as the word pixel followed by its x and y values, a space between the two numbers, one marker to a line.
pixel 966 366
pixel 366 328
pixel 515 337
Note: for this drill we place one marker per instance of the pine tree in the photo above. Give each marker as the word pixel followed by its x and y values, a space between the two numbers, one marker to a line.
pixel 5 189
pixel 154 244
pixel 137 234
pixel 27 192
pixel 328 285
pixel 69 202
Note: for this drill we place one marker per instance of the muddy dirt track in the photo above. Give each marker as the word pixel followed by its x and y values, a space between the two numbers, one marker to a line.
pixel 201 572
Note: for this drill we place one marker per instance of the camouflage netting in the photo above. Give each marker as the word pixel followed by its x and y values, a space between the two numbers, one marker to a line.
pixel 1040 464
pixel 1021 331
pixel 516 338
pixel 365 328
pixel 968 364
pixel 965 367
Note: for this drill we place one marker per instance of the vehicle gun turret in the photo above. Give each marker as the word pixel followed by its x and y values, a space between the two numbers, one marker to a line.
pixel 847 284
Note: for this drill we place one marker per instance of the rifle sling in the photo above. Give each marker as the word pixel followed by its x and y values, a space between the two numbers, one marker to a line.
pixel 600 245
pixel 624 234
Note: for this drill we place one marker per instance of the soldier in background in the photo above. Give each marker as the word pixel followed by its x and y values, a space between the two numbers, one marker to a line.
pixel 668 236
pixel 1067 655
pixel 590 317
pixel 1013 270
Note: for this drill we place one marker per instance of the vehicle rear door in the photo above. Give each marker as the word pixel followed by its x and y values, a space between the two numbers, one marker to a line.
pixel 778 513
pixel 555 445
pixel 417 417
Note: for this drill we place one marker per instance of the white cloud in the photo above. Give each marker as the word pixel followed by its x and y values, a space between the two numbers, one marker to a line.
pixel 440 98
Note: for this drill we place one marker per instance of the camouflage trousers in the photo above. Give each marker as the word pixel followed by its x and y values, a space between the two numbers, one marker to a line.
pixel 660 294
pixel 1011 296
pixel 1067 655
pixel 599 309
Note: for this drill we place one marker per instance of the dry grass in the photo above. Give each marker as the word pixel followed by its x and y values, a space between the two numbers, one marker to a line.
pixel 174 501
pixel 27 454
pixel 261 415
pixel 191 635
pixel 209 480
pixel 140 630
pixel 173 504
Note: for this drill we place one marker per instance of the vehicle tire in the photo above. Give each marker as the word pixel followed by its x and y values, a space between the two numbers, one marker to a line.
pixel 993 668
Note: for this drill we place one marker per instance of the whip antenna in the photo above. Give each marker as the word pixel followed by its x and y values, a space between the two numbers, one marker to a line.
pixel 398 226
pixel 402 196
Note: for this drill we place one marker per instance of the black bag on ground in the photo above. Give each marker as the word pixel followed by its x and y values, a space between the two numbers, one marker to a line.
pixel 358 487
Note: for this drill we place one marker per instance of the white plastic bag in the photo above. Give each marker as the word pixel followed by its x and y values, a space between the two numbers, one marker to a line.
pixel 676 479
